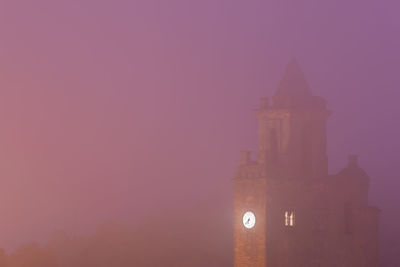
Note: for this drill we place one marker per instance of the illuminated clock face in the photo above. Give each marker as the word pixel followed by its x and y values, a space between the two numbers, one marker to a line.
pixel 249 220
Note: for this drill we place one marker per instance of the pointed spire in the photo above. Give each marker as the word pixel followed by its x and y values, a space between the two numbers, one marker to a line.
pixel 293 83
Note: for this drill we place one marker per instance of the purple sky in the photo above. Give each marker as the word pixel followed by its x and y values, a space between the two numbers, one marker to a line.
pixel 115 109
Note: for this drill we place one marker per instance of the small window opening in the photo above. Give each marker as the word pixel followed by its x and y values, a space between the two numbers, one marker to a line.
pixel 348 215
pixel 290 218
pixel 306 147
pixel 274 146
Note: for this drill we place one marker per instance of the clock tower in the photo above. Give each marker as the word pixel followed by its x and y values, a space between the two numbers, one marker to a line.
pixel 288 211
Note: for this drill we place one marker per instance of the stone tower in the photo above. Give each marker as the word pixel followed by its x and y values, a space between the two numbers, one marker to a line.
pixel 299 214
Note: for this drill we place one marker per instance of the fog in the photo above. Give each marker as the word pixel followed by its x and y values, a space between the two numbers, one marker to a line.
pixel 128 117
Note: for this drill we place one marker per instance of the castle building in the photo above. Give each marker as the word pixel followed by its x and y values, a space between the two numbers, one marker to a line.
pixel 288 211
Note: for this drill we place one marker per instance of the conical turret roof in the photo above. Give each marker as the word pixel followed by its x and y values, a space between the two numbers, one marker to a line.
pixel 293 82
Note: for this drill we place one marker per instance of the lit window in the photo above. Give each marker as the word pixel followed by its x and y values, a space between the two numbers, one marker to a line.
pixel 290 218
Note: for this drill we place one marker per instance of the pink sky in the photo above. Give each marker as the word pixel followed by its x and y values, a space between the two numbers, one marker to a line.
pixel 116 109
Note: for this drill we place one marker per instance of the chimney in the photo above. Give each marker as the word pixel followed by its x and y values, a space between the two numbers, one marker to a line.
pixel 353 160
pixel 246 157
pixel 264 103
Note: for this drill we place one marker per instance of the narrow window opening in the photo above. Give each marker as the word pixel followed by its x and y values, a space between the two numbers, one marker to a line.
pixel 348 218
pixel 274 146
pixel 306 147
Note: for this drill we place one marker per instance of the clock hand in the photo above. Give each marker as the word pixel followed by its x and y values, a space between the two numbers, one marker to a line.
pixel 248 221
